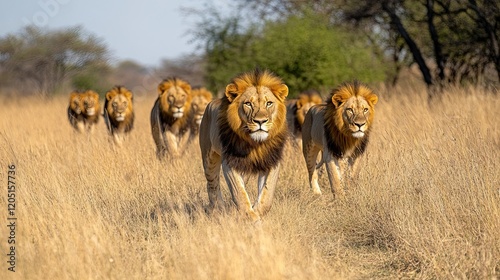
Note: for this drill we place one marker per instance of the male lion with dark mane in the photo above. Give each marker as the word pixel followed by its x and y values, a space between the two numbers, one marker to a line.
pixel 340 129
pixel 296 110
pixel 119 113
pixel 170 117
pixel 245 133
pixel 83 110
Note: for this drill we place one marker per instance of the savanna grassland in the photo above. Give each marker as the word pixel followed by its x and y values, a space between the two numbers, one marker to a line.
pixel 426 204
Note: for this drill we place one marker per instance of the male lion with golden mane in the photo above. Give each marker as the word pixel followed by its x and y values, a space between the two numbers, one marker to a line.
pixel 201 98
pixel 170 117
pixel 296 110
pixel 245 133
pixel 340 129
pixel 119 113
pixel 83 110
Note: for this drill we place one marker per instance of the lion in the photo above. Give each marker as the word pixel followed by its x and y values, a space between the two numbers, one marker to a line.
pixel 245 132
pixel 201 98
pixel 170 117
pixel 297 110
pixel 83 110
pixel 340 129
pixel 75 115
pixel 119 113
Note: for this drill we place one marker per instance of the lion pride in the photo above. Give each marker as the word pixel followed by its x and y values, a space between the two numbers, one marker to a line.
pixel 170 117
pixel 245 132
pixel 200 100
pixel 296 110
pixel 119 113
pixel 83 110
pixel 340 129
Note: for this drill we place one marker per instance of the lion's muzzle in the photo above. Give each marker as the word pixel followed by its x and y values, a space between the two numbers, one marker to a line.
pixel 178 112
pixel 90 111
pixel 120 117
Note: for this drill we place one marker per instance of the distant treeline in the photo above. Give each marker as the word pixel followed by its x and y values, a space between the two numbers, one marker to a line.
pixel 310 44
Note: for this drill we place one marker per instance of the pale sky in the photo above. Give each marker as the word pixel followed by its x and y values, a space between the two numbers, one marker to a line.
pixel 145 30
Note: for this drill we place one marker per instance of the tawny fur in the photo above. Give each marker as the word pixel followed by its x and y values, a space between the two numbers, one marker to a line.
pixel 245 133
pixel 341 130
pixel 296 110
pixel 83 110
pixel 200 100
pixel 170 116
pixel 119 113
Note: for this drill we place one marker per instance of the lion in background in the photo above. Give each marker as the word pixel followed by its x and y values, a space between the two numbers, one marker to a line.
pixel 83 110
pixel 341 130
pixel 245 132
pixel 296 110
pixel 119 113
pixel 201 98
pixel 170 117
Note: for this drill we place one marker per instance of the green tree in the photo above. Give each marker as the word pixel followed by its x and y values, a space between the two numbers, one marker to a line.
pixel 46 58
pixel 306 51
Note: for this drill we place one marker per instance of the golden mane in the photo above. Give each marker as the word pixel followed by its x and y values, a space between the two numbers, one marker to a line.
pixel 345 123
pixel 256 78
pixel 239 150
pixel 338 138
pixel 115 126
pixel 170 117
pixel 245 132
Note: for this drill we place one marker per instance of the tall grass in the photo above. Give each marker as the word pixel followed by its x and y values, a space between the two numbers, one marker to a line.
pixel 425 205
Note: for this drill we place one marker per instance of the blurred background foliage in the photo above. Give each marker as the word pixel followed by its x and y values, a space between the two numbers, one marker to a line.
pixel 312 44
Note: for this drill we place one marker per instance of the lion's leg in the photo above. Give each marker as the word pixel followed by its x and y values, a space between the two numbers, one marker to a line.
pixel 212 173
pixel 91 128
pixel 183 141
pixel 267 185
pixel 171 143
pixel 118 138
pixel 354 165
pixel 333 170
pixel 80 126
pixel 239 194
pixel 310 155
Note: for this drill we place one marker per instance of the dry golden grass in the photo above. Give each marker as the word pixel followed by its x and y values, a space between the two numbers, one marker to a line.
pixel 426 204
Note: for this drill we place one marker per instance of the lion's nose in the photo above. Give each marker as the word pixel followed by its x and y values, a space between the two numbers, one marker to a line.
pixel 261 121
pixel 359 125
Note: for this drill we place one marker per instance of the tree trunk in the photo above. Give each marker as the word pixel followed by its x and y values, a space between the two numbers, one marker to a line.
pixel 417 55
pixel 435 40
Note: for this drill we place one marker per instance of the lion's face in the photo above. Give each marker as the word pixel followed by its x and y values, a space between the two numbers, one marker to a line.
pixel 304 103
pixel 175 97
pixel 355 113
pixel 75 103
pixel 258 112
pixel 90 102
pixel 119 103
pixel 201 98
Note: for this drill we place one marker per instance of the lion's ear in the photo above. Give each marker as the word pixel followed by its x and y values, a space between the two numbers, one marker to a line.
pixel 186 87
pixel 298 104
pixel 372 98
pixel 161 88
pixel 128 95
pixel 281 91
pixel 231 92
pixel 337 99
pixel 109 95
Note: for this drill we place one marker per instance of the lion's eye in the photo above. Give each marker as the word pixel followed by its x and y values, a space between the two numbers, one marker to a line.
pixel 269 103
pixel 248 103
pixel 115 104
pixel 365 110
pixel 349 110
